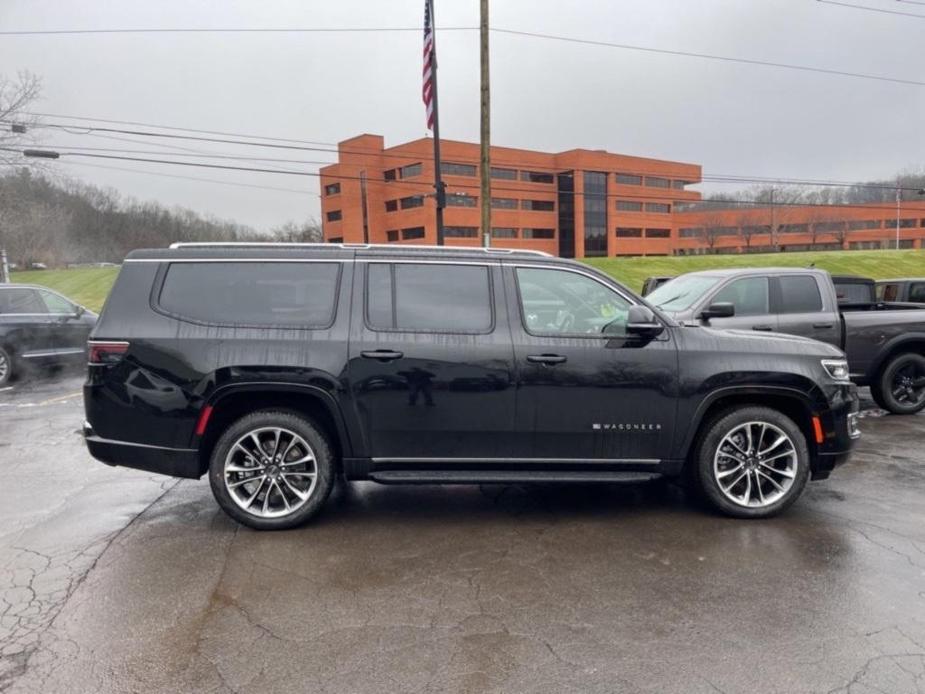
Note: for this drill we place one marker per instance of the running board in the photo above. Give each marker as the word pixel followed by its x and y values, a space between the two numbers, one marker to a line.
pixel 508 477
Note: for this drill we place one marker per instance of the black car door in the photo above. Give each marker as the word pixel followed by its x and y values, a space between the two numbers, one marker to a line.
pixel 68 327
pixel 431 363
pixel 586 390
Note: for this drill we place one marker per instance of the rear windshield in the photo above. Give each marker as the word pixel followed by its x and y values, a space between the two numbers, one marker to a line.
pixel 253 294
pixel 682 292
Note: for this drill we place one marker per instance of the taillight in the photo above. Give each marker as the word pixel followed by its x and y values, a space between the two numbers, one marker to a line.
pixel 101 352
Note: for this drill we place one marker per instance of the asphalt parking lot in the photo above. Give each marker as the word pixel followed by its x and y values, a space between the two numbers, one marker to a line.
pixel 112 580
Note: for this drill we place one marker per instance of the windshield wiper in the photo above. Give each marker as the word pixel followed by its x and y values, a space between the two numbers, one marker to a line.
pixel 668 301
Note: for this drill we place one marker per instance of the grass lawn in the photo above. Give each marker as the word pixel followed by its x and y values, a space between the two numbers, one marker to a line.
pixel 89 286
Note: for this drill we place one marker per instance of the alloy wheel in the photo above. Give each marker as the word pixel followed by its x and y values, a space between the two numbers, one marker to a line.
pixel 908 386
pixel 4 366
pixel 270 472
pixel 755 464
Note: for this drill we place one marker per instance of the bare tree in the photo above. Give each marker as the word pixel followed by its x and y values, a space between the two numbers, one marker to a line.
pixel 16 96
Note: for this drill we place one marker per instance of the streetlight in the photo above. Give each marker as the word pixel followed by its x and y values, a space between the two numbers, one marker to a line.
pixel 41 154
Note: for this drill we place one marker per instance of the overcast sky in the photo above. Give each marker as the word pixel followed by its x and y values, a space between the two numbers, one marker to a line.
pixel 546 95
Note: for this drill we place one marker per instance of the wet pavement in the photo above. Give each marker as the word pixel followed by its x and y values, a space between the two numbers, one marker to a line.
pixel 113 580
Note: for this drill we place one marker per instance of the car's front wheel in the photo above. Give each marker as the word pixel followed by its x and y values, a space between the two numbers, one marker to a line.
pixel 752 462
pixel 900 389
pixel 272 470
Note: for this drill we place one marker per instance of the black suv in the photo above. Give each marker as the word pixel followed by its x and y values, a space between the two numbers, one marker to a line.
pixel 275 368
pixel 39 326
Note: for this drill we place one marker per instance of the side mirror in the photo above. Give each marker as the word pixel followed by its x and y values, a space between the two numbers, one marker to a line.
pixel 79 311
pixel 640 321
pixel 721 309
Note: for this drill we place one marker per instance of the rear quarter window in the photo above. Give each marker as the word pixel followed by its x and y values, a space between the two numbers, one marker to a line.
pixel 260 294
pixel 917 292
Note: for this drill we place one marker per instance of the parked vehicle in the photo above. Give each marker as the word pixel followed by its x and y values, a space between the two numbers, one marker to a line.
pixel 274 368
pixel 852 289
pixel 653 283
pixel 39 326
pixel 884 342
pixel 902 290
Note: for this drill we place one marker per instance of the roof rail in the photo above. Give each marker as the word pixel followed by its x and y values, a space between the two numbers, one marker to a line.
pixel 352 246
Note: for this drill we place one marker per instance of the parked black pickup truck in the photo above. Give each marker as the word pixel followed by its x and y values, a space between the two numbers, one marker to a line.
pixel 884 342
pixel 39 326
pixel 275 368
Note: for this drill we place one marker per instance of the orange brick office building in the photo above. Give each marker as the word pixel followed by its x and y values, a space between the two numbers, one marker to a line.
pixel 579 203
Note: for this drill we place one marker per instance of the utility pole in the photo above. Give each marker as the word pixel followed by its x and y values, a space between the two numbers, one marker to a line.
pixel 773 226
pixel 485 115
pixel 899 197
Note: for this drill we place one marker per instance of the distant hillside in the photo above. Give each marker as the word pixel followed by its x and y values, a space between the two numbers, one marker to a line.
pixel 60 222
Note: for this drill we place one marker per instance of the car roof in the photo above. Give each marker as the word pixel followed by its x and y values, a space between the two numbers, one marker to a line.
pixel 902 279
pixel 738 271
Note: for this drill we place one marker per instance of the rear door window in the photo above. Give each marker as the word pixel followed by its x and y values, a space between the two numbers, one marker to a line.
pixel 917 292
pixel 302 295
pixel 799 294
pixel 21 300
pixel 421 297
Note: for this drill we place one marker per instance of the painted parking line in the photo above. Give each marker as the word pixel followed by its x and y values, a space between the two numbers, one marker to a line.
pixel 49 401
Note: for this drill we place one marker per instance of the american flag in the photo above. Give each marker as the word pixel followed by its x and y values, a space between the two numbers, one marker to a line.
pixel 428 89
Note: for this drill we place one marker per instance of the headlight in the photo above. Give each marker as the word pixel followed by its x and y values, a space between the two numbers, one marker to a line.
pixel 836 368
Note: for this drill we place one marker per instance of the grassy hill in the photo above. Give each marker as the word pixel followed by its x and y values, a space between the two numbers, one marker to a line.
pixel 89 286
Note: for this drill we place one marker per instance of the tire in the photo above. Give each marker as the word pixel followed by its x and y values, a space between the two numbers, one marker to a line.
pixel 877 395
pixel 6 366
pixel 294 463
pixel 901 384
pixel 731 475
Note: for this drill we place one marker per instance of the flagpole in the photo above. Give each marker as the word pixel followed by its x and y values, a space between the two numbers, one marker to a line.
pixel 438 177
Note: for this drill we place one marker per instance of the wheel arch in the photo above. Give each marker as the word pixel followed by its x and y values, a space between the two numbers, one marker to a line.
pixel 911 342
pixel 230 403
pixel 791 402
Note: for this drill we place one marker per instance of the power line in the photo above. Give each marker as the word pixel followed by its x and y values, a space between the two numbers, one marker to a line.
pixel 191 178
pixel 461 185
pixel 225 30
pixel 188 130
pixel 708 56
pixel 724 178
pixel 872 9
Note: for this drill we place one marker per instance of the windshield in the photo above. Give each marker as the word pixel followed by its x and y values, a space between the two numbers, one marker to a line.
pixel 682 292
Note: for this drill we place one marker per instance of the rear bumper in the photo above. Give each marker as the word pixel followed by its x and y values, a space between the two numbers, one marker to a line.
pixel 175 462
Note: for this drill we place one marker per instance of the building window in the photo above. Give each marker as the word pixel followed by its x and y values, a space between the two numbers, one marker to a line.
pixel 336 239
pixel 794 229
pixel 334 216
pixel 412 201
pixel 538 233
pixel 538 205
pixel 411 170
pixel 536 177
pixel 391 205
pixel 332 189
pixel 461 232
pixel 504 232
pixel 658 233
pixel 629 179
pixel 629 206
pixel 389 175
pixel 509 174
pixel 657 182
pixel 658 207
pixel 679 185
pixel 391 235
pixel 829 226
pixel 690 232
pixel 595 204
pixel 412 233
pixel 504 203
pixel 713 232
pixel 629 233
pixel 461 200
pixel 864 224
pixel 752 230
pixel 903 223
pixel 451 169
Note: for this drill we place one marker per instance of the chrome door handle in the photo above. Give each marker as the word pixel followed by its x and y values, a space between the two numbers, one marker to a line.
pixel 382 354
pixel 547 359
pixel 766 328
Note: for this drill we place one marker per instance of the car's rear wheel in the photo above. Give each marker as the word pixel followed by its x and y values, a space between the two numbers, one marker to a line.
pixel 752 462
pixel 272 470
pixel 6 367
pixel 901 386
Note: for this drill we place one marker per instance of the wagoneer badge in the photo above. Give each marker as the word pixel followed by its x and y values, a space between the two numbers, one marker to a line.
pixel 626 427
